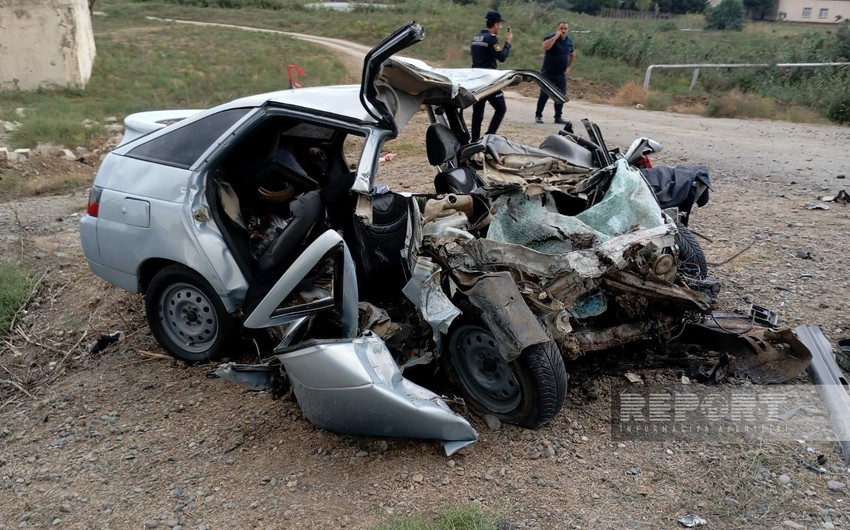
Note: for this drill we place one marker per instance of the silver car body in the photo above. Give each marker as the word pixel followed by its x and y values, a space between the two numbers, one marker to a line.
pixel 150 209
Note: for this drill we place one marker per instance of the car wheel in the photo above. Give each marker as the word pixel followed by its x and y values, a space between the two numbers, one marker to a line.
pixel 186 316
pixel 528 391
pixel 692 262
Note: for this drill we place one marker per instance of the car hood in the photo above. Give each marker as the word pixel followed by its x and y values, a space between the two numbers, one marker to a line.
pixel 394 87
pixel 457 87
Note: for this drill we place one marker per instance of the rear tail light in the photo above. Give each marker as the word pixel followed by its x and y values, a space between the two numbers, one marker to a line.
pixel 643 162
pixel 94 201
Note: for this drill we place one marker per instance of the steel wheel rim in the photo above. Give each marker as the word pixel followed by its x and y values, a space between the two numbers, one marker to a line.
pixel 482 370
pixel 188 317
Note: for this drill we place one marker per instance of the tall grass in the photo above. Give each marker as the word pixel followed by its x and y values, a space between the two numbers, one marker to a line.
pixel 15 287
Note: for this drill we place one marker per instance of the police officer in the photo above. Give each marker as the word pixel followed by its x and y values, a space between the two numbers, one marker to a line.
pixel 558 61
pixel 486 50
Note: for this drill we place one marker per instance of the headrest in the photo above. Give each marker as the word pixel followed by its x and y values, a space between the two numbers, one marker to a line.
pixel 441 144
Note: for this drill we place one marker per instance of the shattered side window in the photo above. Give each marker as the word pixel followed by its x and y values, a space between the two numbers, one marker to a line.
pixel 183 146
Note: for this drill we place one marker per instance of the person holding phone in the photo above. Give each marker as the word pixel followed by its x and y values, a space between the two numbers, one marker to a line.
pixel 558 61
pixel 486 50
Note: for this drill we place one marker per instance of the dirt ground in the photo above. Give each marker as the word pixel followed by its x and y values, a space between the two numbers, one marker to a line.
pixel 127 438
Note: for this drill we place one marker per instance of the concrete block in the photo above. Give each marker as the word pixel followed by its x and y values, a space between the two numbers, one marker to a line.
pixel 65 48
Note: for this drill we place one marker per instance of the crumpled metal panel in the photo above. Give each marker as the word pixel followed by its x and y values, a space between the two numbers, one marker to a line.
pixel 506 314
pixel 424 290
pixel 510 164
pixel 355 387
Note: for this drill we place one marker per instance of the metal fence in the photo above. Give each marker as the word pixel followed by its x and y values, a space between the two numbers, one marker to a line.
pixel 609 12
pixel 696 68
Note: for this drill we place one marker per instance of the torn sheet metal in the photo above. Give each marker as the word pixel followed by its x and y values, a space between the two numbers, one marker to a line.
pixel 506 314
pixel 256 376
pixel 355 387
pixel 424 290
pixel 765 356
pixel 510 164
pixel 628 284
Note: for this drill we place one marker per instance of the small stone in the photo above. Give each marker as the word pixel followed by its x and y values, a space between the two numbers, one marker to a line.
pixel 172 523
pixel 835 485
pixel 492 422
pixel 670 452
pixel 784 480
pixel 417 477
pixel 361 454
pixel 621 445
pixel 792 524
pixel 594 496
pixel 150 524
pixel 632 471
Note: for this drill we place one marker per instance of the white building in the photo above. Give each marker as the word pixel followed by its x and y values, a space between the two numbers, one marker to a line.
pixel 820 11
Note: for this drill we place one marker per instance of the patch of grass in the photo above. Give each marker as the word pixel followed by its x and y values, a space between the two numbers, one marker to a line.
pixel 470 518
pixel 11 183
pixel 658 101
pixel 737 105
pixel 15 285
pixel 145 65
pixel 629 95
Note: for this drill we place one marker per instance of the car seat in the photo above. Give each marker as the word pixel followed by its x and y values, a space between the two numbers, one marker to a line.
pixel 444 151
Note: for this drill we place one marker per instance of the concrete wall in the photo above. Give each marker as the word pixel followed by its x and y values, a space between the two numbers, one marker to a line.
pixel 795 9
pixel 44 43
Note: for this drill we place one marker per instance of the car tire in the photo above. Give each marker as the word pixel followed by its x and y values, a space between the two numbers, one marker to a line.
pixel 527 392
pixel 186 316
pixel 692 262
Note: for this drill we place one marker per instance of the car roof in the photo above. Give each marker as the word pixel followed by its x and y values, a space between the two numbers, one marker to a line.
pixel 341 100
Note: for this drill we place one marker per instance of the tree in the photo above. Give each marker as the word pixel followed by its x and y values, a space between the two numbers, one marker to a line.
pixel 729 14
pixel 760 9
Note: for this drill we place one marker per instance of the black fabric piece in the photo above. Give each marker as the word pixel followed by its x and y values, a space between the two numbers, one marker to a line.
pixel 674 186
pixel 377 253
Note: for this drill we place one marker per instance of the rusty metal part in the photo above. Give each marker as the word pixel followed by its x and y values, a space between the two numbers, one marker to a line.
pixel 579 343
pixel 763 355
pixel 628 284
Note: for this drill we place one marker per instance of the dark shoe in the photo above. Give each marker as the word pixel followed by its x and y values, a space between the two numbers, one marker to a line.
pixel 538 119
pixel 560 120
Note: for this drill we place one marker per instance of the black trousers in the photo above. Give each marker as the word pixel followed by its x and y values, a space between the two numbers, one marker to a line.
pixel 560 81
pixel 497 100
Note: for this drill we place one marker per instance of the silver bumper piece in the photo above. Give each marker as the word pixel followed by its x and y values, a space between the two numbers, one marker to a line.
pixel 354 386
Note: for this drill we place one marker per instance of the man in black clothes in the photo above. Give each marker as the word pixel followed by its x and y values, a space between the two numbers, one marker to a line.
pixel 558 62
pixel 486 50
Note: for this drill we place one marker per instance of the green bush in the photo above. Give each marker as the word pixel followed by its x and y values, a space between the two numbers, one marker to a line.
pixel 15 287
pixel 838 109
pixel 729 15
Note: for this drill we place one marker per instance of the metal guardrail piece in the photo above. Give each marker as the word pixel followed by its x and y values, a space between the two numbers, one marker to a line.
pixel 697 66
pixel 831 383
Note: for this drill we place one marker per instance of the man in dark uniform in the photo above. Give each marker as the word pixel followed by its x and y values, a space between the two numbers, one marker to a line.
pixel 558 61
pixel 486 50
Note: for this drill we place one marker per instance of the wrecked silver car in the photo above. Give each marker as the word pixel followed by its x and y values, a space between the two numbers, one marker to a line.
pixel 264 214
